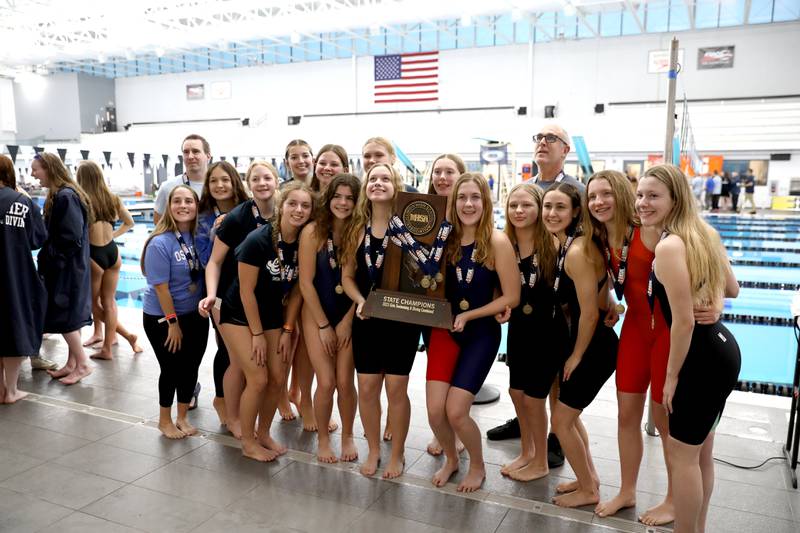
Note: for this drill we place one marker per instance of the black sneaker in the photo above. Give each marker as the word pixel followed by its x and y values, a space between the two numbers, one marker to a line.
pixel 509 430
pixel 555 456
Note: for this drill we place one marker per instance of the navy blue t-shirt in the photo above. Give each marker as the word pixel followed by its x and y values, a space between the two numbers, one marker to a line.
pixel 238 223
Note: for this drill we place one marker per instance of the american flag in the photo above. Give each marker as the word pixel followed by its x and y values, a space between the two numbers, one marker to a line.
pixel 407 78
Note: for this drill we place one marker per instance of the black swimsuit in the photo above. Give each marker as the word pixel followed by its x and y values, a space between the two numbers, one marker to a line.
pixel 105 256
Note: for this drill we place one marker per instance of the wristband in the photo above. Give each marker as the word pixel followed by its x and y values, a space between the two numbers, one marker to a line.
pixel 326 326
pixel 171 318
pixel 286 328
pixel 257 334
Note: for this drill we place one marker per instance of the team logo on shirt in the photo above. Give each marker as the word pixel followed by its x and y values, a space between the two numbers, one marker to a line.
pixel 274 268
pixel 15 216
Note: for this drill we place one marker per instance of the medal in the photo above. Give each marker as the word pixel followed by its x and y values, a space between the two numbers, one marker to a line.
pixel 427 260
pixel 619 278
pixel 531 281
pixel 463 304
pixel 374 269
pixel 193 287
pixel 439 277
pixel 425 281
pixel 289 270
pixel 527 309
pixel 464 281
pixel 334 265
pixel 434 285
pixel 619 308
pixel 562 255
pixel 339 289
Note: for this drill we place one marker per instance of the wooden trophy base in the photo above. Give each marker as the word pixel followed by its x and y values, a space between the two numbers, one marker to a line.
pixel 412 308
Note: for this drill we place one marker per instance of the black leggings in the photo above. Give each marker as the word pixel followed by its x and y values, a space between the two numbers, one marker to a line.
pixel 179 369
pixel 221 363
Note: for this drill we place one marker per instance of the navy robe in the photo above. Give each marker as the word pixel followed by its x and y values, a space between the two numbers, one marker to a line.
pixel 22 293
pixel 64 265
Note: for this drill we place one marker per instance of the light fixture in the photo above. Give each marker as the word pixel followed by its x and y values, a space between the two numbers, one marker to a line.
pixel 160 52
pixel 295 37
pixel 375 30
pixel 569 9
pixel 466 19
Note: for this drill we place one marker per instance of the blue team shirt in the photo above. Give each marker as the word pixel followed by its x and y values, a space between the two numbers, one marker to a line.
pixel 165 262
pixel 204 241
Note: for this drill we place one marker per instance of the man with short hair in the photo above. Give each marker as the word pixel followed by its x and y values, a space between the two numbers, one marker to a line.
pixel 734 189
pixel 749 188
pixel 717 191
pixel 196 156
pixel 550 149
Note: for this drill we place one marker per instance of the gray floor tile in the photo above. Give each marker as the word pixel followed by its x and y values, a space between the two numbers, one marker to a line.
pixel 150 441
pixel 439 509
pixel 726 520
pixel 12 463
pixel 112 462
pixel 62 486
pixel 761 500
pixel 37 442
pixel 228 459
pixel 22 512
pixel 62 420
pixel 83 523
pixel 373 521
pixel 331 484
pixel 516 521
pixel 216 489
pixel 149 510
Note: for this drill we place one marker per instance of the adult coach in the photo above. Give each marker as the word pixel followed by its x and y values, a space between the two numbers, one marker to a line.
pixel 196 156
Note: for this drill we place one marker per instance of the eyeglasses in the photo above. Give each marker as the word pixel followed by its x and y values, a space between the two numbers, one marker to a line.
pixel 549 137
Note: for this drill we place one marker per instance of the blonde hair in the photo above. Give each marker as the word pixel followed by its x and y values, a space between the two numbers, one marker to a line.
pixel 276 218
pixel 57 178
pixel 383 141
pixel 105 204
pixel 363 211
pixel 705 256
pixel 167 222
pixel 276 195
pixel 624 207
pixel 483 233
pixel 542 239
pixel 455 158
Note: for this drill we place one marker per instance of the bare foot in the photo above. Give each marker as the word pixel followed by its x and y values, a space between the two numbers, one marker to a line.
pixel 577 498
pixel 395 468
pixel 271 444
pixel 443 475
pixel 370 466
pixel 349 450
pixel 294 397
pixel 529 472
pixel 134 345
pixel 103 354
pixel 519 462
pixel 473 480
pixel 571 486
pixel 387 432
pixel 661 514
pixel 325 453
pixel 434 448
pixel 94 339
pixel 285 408
pixel 76 375
pixel 254 450
pixel 186 427
pixel 332 426
pixel 61 372
pixel 615 504
pixel 219 407
pixel 235 427
pixel 170 430
pixel 309 424
pixel 13 398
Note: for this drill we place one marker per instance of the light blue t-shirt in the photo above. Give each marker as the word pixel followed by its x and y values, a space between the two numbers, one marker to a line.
pixel 165 262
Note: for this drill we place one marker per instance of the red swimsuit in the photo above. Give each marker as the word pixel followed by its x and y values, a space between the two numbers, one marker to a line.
pixel 643 352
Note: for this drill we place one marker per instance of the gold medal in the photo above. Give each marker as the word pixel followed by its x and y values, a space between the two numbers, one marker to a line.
pixel 425 281
pixel 439 277
pixel 619 308
pixel 434 285
pixel 463 304
pixel 527 309
pixel 339 289
pixel 193 288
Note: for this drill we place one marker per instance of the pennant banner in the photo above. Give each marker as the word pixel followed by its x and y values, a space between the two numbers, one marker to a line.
pixel 235 160
pixel 62 153
pixel 222 158
pixel 165 157
pixel 107 156
pixel 85 154
pixel 38 149
pixel 131 156
pixel 147 160
pixel 13 150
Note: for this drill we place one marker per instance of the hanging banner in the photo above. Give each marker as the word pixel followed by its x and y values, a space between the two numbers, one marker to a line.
pixel 235 160
pixel 107 156
pixel 62 153
pixel 165 157
pixel 222 158
pixel 131 156
pixel 13 150
pixel 146 160
pixel 495 154
pixel 38 149
pixel 715 57
pixel 85 154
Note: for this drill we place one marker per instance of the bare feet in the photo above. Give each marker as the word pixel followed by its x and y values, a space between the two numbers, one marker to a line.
pixel 10 398
pixel 271 444
pixel 294 397
pixel 285 409
pixel 76 375
pixel 235 427
pixel 134 345
pixel 219 407
pixel 370 466
pixel 332 426
pixel 577 498
pixel 325 453
pixel 254 450
pixel 170 430
pixel 309 424
pixel 387 432
pixel 473 480
pixel 395 468
pixel 103 354
pixel 94 339
pixel 571 486
pixel 434 448
pixel 529 472
pixel 186 427
pixel 349 450
pixel 615 504
pixel 661 514
pixel 61 372
pixel 519 462
pixel 443 475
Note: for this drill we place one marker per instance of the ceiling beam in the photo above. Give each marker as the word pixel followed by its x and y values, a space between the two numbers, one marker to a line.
pixel 635 15
pixel 582 17
pixel 748 4
pixel 691 9
pixel 534 19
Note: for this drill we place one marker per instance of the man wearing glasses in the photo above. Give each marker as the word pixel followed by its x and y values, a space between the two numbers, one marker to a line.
pixel 550 149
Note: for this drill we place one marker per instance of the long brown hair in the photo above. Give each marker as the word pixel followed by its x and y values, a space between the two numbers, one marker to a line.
pixel 57 178
pixel 363 212
pixel 483 233
pixel 324 216
pixel 105 205
pixel 624 206
pixel 8 176
pixel 340 152
pixel 543 245
pixel 167 222
pixel 208 202
pixel 460 166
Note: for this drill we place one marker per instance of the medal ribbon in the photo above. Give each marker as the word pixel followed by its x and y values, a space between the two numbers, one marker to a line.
pixel 260 221
pixel 288 270
pixel 332 260
pixel 562 256
pixel 619 277
pixel 192 258
pixel 651 297
pixel 531 281
pixel 428 261
pixel 374 269
pixel 463 282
